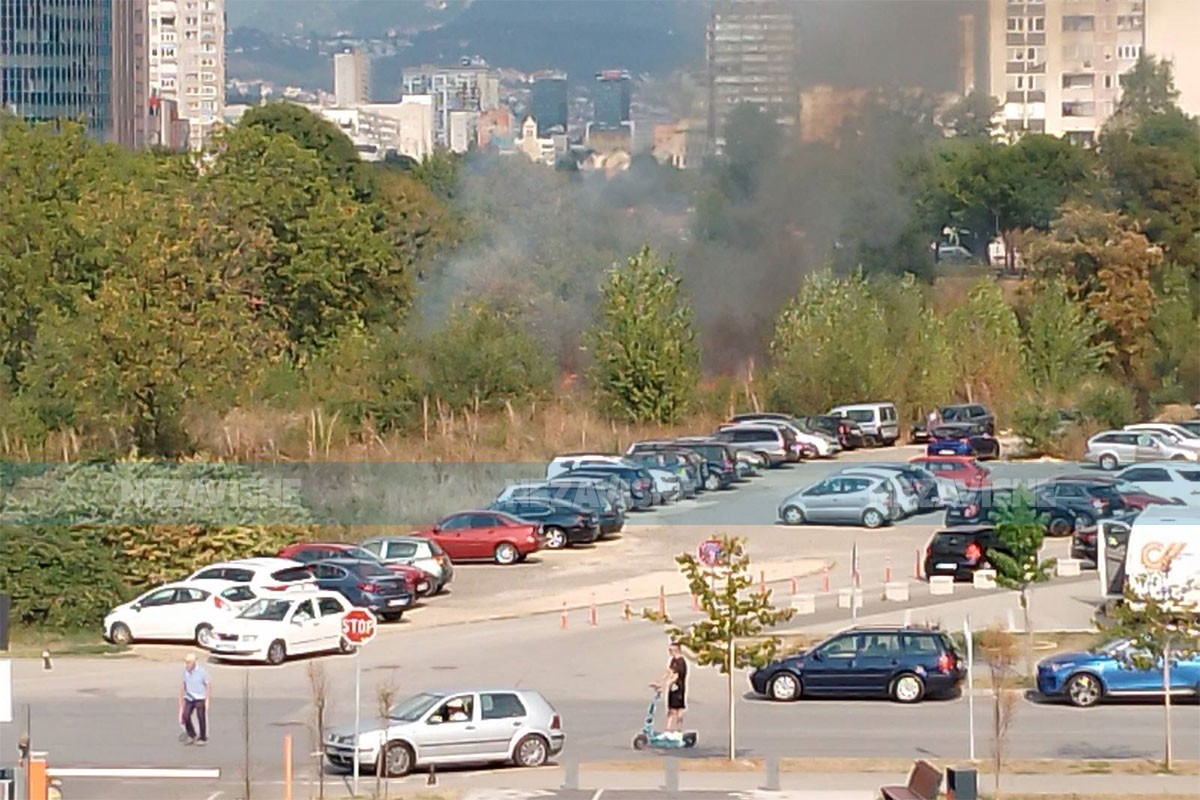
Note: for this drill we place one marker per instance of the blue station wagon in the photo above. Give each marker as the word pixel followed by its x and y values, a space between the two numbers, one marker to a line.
pixel 1084 679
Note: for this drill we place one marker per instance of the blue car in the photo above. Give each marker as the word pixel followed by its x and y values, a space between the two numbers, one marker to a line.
pixel 1086 678
pixel 962 439
pixel 366 584
pixel 903 663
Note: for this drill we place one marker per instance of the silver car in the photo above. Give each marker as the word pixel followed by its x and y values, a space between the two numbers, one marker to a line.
pixel 466 726
pixel 856 499
pixel 415 551
pixel 1111 449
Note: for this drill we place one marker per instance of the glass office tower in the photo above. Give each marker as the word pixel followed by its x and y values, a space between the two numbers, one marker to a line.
pixel 56 60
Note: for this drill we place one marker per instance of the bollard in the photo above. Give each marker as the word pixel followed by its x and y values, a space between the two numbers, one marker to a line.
pixel 917 565
pixel 772 783
pixel 762 582
pixel 695 602
pixel 825 579
pixel 571 777
pixel 792 585
pixel 47 664
pixel 887 570
pixel 287 767
pixel 562 620
pixel 671 775
pixel 593 617
pixel 662 601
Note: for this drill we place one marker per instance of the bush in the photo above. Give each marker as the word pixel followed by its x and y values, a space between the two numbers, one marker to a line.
pixel 1038 426
pixel 1109 405
pixel 59 578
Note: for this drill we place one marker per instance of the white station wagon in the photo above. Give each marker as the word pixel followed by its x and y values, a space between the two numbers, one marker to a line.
pixel 280 625
pixel 465 726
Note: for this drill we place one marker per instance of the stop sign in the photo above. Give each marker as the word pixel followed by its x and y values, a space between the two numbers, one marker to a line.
pixel 358 626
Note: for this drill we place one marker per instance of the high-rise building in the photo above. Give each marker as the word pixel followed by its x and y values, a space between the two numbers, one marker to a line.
pixel 470 86
pixel 611 98
pixel 548 103
pixel 187 62
pixel 351 79
pixel 751 52
pixel 56 61
pixel 1057 66
pixel 130 73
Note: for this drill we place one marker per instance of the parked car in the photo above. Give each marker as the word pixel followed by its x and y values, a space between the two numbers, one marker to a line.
pixel 700 465
pixel 877 420
pixel 484 536
pixel 1192 425
pixel 720 457
pixel 261 574
pixel 417 580
pixel 1062 515
pixel 687 468
pixel 667 486
pixel 962 439
pixel 279 626
pixel 424 554
pixel 960 551
pixel 929 490
pixel 972 413
pixel 642 494
pixel 562 523
pixel 1177 435
pixel 863 499
pixel 1086 678
pixel 1134 497
pixel 1170 479
pixel 1090 501
pixel 460 727
pixel 965 471
pixel 596 496
pixel 906 664
pixel 767 441
pixel 562 464
pixel 366 584
pixel 843 429
pixel 176 612
pixel 1172 448
pixel 1113 449
pixel 813 442
pixel 904 493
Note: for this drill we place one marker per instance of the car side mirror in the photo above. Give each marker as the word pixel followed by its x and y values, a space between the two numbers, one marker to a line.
pixel 434 721
pixel 816 656
pixel 136 606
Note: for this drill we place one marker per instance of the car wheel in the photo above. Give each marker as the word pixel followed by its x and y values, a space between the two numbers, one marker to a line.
pixel 506 554
pixel 1059 527
pixel 1084 690
pixel 1178 458
pixel 531 751
pixel 399 615
pixel 640 742
pixel 713 482
pixel 120 634
pixel 556 538
pixel 765 459
pixel 908 688
pixel 346 647
pixel 872 518
pixel 397 760
pixel 793 516
pixel 276 653
pixel 784 687
pixel 1086 520
pixel 204 635
pixel 1108 462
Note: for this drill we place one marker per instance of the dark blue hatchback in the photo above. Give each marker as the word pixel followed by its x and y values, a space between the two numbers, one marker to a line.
pixel 906 664
pixel 366 584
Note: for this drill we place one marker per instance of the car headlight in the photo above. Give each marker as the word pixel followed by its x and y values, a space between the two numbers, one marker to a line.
pixel 1061 667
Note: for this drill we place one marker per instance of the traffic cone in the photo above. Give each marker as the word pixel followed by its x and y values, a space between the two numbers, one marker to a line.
pixel 825 579
pixel 887 570
pixel 592 618
pixel 917 565
pixel 662 601
pixel 562 622
pixel 695 603
pixel 762 581
pixel 792 585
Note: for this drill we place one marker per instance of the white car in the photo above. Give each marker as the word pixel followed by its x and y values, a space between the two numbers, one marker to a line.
pixel 1174 434
pixel 283 624
pixel 179 612
pixel 262 574
pixel 1170 480
pixel 560 465
pixel 1171 447
pixel 826 446
pixel 666 484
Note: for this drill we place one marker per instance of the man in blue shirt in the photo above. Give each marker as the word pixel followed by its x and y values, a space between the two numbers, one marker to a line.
pixel 193 699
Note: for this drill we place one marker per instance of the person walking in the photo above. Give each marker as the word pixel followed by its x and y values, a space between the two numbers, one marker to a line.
pixel 674 683
pixel 194 693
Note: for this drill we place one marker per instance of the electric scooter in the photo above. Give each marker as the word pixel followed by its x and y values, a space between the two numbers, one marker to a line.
pixel 666 740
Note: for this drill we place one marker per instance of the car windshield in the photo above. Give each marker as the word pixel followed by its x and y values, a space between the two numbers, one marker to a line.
pixel 270 610
pixel 360 554
pixel 410 710
pixel 1113 648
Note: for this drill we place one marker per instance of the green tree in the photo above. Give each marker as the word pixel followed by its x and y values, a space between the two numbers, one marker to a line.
pixel 1175 323
pixel 753 140
pixel 366 376
pixel 986 344
pixel 729 634
pixel 311 131
pixel 1062 338
pixel 441 172
pixel 1160 624
pixel 971 116
pixel 1018 563
pixel 647 363
pixel 1148 88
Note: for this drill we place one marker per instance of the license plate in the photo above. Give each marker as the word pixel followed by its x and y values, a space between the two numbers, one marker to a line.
pixel 945 452
pixel 224 646
pixel 395 602
pixel 947 566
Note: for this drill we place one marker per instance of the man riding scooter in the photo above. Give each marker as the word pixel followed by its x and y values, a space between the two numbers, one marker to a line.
pixel 674 682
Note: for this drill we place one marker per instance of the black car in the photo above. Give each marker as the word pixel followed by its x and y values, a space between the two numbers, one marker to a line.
pixel 713 474
pixel 562 523
pixel 962 413
pixel 960 551
pixel 595 496
pixel 847 432
pixel 689 466
pixel 1090 502
pixel 981 507
pixel 640 481
pixel 720 459
pixel 366 584
pixel 906 664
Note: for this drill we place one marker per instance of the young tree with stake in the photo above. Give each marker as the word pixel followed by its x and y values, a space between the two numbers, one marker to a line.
pixel 1018 563
pixel 733 614
pixel 1161 626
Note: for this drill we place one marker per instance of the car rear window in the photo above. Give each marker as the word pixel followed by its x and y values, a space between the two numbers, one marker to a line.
pixel 237 575
pixel 291 574
pixel 370 569
pixel 1190 475
pixel 920 644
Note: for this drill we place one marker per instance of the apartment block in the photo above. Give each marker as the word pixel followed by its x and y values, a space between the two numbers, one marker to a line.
pixel 1057 65
pixel 187 62
pixel 751 57
pixel 56 61
pixel 469 86
pixel 351 79
pixel 405 128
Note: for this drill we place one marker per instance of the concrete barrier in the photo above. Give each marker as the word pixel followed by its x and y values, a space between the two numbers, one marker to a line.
pixel 1068 567
pixel 941 584
pixel 896 592
pixel 805 604
pixel 845 597
pixel 984 579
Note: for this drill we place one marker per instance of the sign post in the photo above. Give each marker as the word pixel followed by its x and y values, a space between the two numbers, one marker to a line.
pixel 970 645
pixel 358 628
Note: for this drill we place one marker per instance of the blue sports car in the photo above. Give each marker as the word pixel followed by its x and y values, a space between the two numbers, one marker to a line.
pixel 962 439
pixel 1086 678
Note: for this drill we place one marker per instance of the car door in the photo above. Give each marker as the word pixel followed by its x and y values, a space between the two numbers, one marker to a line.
pixel 330 577
pixel 850 499
pixel 154 615
pixel 875 663
pixel 501 716
pixel 485 531
pixel 331 610
pixel 450 535
pixel 303 628
pixel 817 501
pixel 192 607
pixel 1141 446
pixel 444 737
pixel 828 669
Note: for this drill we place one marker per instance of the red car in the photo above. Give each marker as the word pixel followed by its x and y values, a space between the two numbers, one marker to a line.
pixel 485 536
pixel 416 580
pixel 963 470
pixel 1134 496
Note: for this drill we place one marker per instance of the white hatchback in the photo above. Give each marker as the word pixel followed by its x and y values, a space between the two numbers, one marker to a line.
pixel 263 574
pixel 280 625
pixel 178 612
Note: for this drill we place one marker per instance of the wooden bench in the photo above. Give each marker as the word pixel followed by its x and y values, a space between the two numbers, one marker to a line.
pixel 924 783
